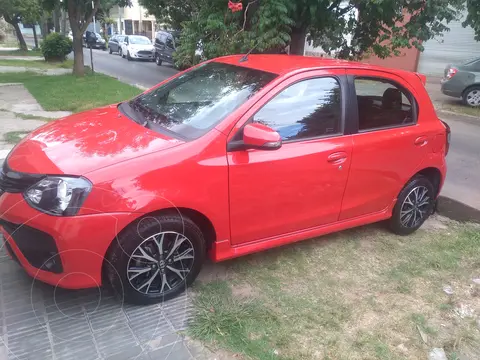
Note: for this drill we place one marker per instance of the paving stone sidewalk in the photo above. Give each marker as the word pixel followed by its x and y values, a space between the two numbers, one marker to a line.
pixel 39 322
pixel 16 69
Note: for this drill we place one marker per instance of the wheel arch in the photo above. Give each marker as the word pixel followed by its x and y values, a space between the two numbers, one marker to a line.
pixel 434 175
pixel 469 87
pixel 200 219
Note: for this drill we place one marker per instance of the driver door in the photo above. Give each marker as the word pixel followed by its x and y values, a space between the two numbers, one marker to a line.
pixel 300 185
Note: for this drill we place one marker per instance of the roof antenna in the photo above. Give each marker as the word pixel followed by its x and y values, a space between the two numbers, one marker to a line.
pixel 245 57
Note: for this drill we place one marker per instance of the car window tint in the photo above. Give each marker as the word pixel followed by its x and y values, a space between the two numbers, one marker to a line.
pixel 307 109
pixel 169 42
pixel 382 104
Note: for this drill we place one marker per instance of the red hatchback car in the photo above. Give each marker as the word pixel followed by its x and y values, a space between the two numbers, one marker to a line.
pixel 231 157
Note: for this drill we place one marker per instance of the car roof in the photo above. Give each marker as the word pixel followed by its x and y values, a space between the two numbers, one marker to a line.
pixel 283 64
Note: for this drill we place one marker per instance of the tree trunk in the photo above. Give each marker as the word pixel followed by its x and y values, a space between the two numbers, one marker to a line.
pixel 56 17
pixel 21 40
pixel 34 28
pixel 78 66
pixel 64 23
pixel 297 43
pixel 74 14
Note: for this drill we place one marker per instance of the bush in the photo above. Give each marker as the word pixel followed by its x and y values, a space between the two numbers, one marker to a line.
pixel 56 47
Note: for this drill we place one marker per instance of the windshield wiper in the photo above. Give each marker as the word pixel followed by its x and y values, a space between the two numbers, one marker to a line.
pixel 129 111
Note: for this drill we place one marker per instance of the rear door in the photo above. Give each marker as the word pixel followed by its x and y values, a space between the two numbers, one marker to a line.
pixel 389 144
pixel 300 185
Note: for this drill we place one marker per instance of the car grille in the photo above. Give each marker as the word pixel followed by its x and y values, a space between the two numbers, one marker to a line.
pixel 16 182
pixel 144 52
pixel 38 247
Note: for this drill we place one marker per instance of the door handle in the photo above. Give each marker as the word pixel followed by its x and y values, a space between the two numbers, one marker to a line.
pixel 337 158
pixel 421 141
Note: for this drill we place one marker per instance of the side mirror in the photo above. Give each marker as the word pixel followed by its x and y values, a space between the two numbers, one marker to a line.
pixel 257 136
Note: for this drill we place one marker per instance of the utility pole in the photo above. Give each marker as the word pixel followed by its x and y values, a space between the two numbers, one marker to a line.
pixel 94 25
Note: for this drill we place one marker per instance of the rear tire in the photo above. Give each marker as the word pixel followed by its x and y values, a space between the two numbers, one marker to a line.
pixel 471 96
pixel 110 50
pixel 414 205
pixel 168 251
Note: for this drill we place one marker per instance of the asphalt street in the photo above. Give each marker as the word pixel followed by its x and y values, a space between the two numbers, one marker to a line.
pixel 137 72
pixel 463 161
pixel 463 178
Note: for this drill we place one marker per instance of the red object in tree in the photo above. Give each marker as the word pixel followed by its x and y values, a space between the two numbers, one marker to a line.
pixel 235 6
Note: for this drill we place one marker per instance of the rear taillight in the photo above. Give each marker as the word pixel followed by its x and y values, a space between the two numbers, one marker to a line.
pixel 451 72
pixel 448 137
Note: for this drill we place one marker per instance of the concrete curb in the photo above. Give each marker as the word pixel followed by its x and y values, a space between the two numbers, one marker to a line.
pixel 450 115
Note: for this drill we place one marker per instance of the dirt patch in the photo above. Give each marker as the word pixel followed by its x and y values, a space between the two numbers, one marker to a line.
pixel 243 291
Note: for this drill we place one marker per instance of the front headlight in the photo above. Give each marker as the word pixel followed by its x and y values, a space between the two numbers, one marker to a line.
pixel 58 195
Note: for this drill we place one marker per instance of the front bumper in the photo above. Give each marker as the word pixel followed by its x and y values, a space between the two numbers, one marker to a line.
pixel 143 55
pixel 62 251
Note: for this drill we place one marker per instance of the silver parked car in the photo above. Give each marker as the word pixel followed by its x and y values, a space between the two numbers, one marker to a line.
pixel 463 81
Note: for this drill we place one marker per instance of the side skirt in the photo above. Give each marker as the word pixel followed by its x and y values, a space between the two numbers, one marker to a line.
pixel 222 250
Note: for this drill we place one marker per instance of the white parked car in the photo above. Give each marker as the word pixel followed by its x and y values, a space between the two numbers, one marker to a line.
pixel 137 47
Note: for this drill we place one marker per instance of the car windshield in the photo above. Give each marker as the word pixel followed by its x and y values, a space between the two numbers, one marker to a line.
pixel 193 103
pixel 141 40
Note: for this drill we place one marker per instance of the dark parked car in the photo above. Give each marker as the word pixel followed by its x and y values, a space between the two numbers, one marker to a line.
pixel 115 43
pixel 99 44
pixel 463 81
pixel 165 46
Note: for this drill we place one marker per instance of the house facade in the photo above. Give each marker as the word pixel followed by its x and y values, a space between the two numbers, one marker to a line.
pixel 455 46
pixel 133 20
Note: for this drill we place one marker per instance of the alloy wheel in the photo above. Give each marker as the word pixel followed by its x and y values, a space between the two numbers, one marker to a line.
pixel 473 97
pixel 415 207
pixel 160 263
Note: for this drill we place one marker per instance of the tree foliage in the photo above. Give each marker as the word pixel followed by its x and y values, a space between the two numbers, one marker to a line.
pixel 80 15
pixel 473 17
pixel 345 28
pixel 16 11
pixel 56 47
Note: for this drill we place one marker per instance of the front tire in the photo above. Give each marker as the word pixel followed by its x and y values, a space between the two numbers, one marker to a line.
pixel 155 258
pixel 120 52
pixel 110 50
pixel 158 61
pixel 129 58
pixel 414 205
pixel 471 96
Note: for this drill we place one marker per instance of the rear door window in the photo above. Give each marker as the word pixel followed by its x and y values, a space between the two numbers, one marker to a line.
pixel 383 104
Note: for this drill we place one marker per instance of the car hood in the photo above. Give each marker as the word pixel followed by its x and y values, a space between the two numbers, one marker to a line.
pixel 85 142
pixel 141 47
